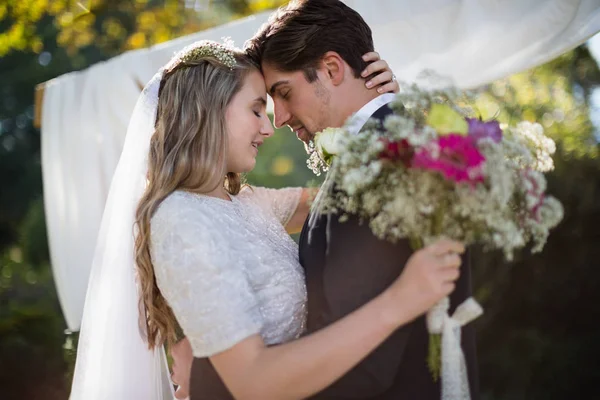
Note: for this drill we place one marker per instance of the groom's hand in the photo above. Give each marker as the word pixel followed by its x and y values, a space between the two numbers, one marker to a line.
pixel 182 356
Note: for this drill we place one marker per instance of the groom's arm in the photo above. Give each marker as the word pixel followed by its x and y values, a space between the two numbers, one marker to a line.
pixel 359 267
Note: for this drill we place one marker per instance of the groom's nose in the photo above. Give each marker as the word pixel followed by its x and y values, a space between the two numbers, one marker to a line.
pixel 266 128
pixel 282 115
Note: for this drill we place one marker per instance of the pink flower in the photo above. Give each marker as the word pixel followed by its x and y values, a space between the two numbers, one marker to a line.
pixel 455 156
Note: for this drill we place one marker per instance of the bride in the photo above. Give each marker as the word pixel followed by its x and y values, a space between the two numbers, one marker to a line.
pixel 213 255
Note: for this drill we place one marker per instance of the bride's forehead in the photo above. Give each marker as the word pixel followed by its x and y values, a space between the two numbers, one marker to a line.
pixel 255 81
pixel 253 87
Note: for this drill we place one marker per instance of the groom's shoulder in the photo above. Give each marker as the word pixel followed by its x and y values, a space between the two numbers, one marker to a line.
pixel 382 112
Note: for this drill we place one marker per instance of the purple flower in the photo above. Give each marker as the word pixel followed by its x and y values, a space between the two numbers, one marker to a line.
pixel 455 156
pixel 479 129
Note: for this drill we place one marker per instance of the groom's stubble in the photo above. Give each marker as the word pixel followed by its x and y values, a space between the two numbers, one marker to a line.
pixel 323 97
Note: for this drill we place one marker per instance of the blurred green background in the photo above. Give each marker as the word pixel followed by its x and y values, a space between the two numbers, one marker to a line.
pixel 539 337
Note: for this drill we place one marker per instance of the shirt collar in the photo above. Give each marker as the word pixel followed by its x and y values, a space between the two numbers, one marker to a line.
pixel 358 120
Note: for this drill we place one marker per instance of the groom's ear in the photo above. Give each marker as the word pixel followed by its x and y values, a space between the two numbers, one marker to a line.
pixel 334 67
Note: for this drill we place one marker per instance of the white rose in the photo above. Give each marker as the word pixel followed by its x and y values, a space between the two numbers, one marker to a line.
pixel 327 143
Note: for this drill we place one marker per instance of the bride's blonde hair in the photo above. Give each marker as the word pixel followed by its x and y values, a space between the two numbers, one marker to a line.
pixel 187 152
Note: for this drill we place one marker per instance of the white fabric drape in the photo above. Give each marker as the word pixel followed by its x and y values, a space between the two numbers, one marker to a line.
pixel 85 114
pixel 476 41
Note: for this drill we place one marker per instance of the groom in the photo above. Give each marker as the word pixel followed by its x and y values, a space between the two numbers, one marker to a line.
pixel 310 54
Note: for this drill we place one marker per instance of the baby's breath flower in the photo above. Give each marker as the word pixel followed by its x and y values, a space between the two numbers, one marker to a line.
pixel 505 208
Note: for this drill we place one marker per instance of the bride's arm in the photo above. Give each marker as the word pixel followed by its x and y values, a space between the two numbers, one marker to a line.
pixel 295 223
pixel 303 367
pixel 300 368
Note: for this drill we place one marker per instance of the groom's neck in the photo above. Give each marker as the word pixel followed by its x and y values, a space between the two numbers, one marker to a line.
pixel 353 99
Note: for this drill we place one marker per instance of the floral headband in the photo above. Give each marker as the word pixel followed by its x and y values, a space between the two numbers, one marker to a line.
pixel 205 48
pixel 225 53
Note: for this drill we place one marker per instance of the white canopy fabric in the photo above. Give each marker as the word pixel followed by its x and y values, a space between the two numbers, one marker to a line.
pixel 85 114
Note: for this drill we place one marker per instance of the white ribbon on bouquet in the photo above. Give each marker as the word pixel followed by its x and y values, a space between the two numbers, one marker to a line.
pixel 455 383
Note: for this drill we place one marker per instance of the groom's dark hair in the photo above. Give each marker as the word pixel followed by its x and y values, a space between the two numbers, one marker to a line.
pixel 298 35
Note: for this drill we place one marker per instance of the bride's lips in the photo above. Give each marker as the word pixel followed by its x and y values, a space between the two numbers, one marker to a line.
pixel 256 145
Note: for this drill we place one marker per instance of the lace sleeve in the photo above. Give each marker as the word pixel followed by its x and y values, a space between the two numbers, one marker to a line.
pixel 281 202
pixel 208 290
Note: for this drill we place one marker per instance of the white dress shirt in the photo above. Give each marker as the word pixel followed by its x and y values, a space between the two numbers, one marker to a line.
pixel 358 120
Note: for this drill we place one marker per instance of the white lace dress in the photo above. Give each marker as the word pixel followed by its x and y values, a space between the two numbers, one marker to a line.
pixel 228 269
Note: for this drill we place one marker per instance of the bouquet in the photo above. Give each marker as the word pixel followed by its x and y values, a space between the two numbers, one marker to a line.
pixel 432 171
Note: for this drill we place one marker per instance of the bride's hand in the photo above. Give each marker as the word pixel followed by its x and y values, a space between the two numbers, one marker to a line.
pixel 181 352
pixel 430 275
pixel 384 80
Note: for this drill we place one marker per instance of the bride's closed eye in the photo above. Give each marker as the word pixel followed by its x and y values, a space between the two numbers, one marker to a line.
pixel 259 111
